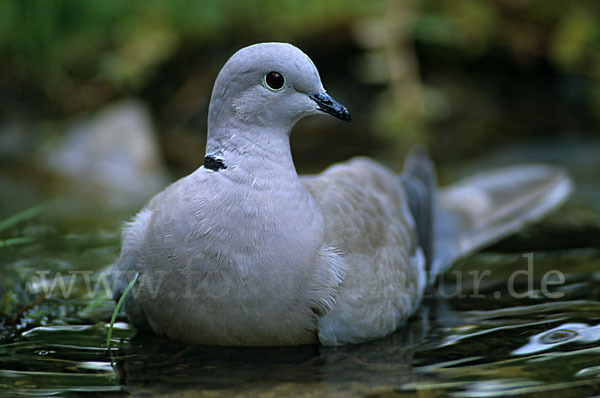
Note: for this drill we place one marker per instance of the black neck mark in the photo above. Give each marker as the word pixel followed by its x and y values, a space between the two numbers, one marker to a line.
pixel 214 163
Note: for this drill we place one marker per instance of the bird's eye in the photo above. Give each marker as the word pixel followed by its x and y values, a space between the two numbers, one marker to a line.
pixel 275 80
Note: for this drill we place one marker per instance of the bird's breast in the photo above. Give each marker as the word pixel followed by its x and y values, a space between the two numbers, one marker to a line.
pixel 242 259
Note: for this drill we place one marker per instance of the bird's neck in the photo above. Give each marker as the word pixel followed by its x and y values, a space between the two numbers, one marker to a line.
pixel 255 150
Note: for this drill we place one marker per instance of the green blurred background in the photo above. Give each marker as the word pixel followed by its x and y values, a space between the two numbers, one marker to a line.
pixel 459 76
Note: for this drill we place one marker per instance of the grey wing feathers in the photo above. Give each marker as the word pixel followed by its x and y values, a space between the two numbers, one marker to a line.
pixel 369 222
pixel 484 208
pixel 479 210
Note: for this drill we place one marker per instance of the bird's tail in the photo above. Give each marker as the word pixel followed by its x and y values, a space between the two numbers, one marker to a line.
pixel 486 207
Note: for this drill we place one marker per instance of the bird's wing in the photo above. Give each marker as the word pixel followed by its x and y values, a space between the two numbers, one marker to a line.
pixel 488 206
pixel 368 221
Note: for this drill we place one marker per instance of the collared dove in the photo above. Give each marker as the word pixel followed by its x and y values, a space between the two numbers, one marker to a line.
pixel 243 251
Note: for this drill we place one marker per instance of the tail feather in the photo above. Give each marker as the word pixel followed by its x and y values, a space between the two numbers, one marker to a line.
pixel 418 179
pixel 484 208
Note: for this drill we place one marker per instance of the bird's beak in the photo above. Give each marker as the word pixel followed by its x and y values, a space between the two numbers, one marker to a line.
pixel 328 105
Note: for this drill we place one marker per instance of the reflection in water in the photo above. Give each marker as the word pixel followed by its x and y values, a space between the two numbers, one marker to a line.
pixel 150 365
pixel 567 333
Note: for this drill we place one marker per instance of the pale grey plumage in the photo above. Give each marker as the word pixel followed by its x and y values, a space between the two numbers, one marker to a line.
pixel 251 254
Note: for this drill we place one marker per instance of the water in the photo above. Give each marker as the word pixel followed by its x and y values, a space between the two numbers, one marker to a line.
pixel 454 346
pixel 520 319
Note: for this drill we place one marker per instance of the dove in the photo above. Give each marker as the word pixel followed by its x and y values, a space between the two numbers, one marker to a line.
pixel 245 252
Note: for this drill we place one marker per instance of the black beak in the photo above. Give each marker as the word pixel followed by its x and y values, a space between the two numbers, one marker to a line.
pixel 329 105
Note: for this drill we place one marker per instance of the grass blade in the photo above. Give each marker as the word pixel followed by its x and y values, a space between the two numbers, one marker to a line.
pixel 22 216
pixel 16 241
pixel 118 308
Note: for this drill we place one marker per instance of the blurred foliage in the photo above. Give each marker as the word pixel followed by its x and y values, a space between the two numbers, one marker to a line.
pixel 15 219
pixel 515 37
pixel 121 42
pixel 457 74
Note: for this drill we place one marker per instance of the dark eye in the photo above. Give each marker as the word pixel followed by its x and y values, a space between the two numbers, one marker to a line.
pixel 274 80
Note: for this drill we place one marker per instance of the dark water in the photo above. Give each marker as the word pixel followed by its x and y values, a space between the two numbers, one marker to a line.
pixel 529 327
